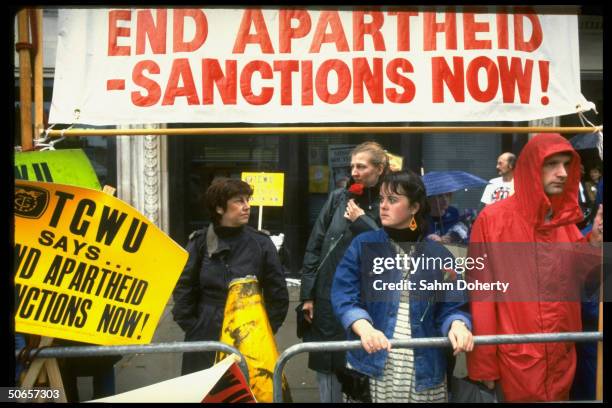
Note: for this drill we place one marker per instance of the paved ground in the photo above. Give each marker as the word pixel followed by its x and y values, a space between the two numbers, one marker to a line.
pixel 134 371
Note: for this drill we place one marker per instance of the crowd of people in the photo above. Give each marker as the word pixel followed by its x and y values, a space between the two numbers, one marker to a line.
pixel 535 200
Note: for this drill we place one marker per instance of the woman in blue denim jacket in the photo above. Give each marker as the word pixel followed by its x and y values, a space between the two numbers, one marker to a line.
pixel 370 308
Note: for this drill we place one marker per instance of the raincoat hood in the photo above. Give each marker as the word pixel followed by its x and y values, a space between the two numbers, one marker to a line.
pixel 533 202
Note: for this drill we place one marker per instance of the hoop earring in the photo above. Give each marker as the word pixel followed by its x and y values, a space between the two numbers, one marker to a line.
pixel 413 224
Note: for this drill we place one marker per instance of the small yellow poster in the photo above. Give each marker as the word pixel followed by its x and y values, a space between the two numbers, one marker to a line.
pixel 268 188
pixel 318 179
pixel 395 162
pixel 88 267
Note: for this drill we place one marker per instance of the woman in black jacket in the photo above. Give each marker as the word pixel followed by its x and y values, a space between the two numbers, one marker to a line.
pixel 347 213
pixel 226 250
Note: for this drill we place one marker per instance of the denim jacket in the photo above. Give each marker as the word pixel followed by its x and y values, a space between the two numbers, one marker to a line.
pixel 428 317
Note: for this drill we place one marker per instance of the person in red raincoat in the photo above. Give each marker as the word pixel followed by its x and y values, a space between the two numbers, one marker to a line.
pixel 541 214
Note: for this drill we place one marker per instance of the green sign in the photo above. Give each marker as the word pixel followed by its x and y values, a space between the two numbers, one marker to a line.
pixel 71 167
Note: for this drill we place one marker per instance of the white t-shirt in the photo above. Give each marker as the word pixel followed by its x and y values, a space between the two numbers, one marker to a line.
pixel 497 190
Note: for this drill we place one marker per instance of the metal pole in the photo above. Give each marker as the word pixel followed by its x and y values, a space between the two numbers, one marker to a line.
pixel 172 347
pixel 218 131
pixel 25 80
pixel 599 372
pixel 424 342
pixel 38 74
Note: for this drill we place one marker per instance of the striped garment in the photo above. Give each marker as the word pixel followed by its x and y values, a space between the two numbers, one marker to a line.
pixel 398 383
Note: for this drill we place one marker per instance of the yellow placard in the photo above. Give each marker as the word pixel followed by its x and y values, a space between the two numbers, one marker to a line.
pixel 268 188
pixel 88 267
pixel 246 327
pixel 395 162
pixel 318 179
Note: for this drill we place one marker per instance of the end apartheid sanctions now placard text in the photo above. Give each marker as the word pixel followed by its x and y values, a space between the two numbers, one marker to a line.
pixel 88 267
pixel 305 65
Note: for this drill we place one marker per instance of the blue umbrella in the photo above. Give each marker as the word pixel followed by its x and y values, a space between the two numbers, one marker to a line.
pixel 440 182
pixel 586 141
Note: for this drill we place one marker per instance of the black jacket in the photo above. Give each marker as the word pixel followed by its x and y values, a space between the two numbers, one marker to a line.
pixel 330 237
pixel 201 291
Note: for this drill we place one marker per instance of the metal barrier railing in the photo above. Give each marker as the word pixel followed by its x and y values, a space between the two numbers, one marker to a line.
pixel 423 342
pixel 173 347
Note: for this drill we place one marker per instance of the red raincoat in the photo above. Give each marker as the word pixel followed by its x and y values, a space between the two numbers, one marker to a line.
pixel 536 371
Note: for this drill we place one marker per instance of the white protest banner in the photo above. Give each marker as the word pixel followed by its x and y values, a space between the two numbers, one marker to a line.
pixel 130 66
pixel 188 388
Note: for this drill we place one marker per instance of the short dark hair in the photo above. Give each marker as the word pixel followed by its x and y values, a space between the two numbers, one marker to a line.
pixel 410 184
pixel 596 167
pixel 221 191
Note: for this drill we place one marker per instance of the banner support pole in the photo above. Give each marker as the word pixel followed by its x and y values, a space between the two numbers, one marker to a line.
pixel 276 130
pixel 25 79
pixel 599 378
pixel 39 126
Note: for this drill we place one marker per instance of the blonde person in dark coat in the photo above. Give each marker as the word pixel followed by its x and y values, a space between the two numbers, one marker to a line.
pixel 348 212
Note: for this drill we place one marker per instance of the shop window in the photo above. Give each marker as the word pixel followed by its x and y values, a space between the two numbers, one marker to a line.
pixel 206 158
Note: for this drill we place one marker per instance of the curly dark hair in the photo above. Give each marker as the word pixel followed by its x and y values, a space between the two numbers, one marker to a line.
pixel 410 184
pixel 221 191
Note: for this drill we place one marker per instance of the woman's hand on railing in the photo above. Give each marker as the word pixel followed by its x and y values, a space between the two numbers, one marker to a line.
pixel 460 337
pixel 372 340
